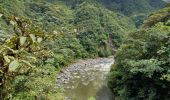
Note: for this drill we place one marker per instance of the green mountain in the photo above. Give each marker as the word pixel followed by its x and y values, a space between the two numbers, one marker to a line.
pixel 115 17
pixel 87 17
pixel 138 10
pixel 60 13
pixel 69 30
pixel 134 7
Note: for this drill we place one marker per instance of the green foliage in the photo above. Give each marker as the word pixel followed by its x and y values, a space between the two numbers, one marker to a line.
pixel 142 67
pixel 71 29
pixel 95 44
pixel 138 10
pixel 96 25
pixel 39 84
pixel 87 16
pixel 131 7
pixel 11 7
pixel 67 49
pixel 49 16
pixel 18 55
pixel 91 98
pixel 160 16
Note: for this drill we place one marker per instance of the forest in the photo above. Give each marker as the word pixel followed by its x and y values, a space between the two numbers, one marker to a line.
pixel 41 38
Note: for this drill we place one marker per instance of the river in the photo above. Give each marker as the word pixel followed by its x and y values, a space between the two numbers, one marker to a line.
pixel 86 80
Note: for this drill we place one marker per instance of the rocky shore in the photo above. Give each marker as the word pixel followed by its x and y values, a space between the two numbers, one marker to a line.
pixel 84 67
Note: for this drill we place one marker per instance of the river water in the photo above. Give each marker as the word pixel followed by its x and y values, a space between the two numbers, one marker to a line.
pixel 87 80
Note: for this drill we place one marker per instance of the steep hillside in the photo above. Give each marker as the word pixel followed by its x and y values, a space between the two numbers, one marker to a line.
pixel 133 7
pixel 142 67
pixel 87 17
pixel 99 16
pixel 138 10
pixel 51 14
pixel 51 34
pixel 160 16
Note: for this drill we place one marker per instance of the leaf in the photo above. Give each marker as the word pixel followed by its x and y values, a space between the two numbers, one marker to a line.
pixel 11 57
pixel 31 57
pixel 22 40
pixel 12 22
pixel 91 98
pixel 27 63
pixel 14 51
pixel 7 59
pixel 39 40
pixel 1 50
pixel 33 38
pixel 75 30
pixel 1 73
pixel 1 15
pixel 13 65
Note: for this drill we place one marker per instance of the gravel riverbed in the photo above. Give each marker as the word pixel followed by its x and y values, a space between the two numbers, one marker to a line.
pixel 84 67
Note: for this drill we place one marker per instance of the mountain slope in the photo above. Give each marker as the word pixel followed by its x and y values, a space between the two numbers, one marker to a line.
pixel 53 13
pixel 142 67
pixel 79 28
pixel 138 10
pixel 56 16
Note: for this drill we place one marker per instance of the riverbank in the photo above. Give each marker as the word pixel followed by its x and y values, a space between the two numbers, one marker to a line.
pixel 85 78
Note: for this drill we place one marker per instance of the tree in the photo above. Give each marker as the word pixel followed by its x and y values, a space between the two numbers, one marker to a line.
pixel 19 52
pixel 142 68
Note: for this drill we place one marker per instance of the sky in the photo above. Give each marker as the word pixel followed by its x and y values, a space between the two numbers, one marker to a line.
pixel 166 0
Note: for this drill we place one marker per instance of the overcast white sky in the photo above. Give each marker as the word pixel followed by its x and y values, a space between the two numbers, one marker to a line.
pixel 166 0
